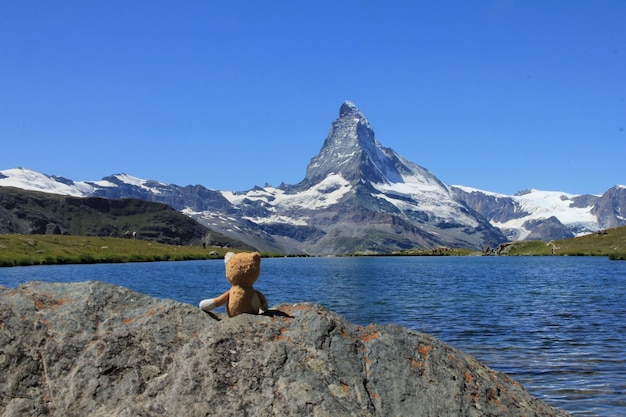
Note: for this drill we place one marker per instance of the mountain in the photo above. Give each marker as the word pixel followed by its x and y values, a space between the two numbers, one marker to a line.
pixel 358 196
pixel 547 215
pixel 218 214
pixel 34 212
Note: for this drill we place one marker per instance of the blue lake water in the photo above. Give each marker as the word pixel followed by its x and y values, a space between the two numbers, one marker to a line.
pixel 555 324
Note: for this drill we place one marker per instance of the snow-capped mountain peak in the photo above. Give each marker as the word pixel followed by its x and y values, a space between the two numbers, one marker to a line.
pixel 349 109
pixel 358 196
pixel 28 179
pixel 352 150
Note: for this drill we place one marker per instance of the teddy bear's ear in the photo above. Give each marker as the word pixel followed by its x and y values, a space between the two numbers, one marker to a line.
pixel 228 256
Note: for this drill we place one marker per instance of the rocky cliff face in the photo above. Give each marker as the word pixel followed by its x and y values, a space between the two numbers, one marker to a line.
pixel 100 350
pixel 611 207
pixel 351 150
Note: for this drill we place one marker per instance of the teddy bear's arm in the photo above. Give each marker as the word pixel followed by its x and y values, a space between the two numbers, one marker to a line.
pixel 212 303
pixel 263 301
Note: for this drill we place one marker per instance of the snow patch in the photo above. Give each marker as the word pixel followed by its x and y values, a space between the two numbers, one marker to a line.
pixel 27 179
pixel 420 193
pixel 476 190
pixel 277 219
pixel 104 183
pixel 545 204
pixel 138 182
pixel 324 194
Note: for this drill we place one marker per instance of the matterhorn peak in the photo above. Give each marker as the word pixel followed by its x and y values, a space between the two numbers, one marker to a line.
pixel 352 151
pixel 349 110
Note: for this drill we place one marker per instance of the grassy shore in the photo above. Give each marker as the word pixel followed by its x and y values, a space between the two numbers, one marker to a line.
pixel 22 250
pixel 611 244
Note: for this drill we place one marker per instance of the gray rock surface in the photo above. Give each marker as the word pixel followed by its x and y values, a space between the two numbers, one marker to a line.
pixel 101 350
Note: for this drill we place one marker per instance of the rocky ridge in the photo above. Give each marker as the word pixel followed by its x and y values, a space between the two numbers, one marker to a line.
pixel 547 215
pixel 101 350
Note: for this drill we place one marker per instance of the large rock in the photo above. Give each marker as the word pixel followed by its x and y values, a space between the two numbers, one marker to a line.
pixel 102 350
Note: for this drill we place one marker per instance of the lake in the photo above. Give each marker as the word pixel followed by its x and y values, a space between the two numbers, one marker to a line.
pixel 555 324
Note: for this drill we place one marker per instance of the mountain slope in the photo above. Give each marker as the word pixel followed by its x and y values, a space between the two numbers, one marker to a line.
pixel 33 212
pixel 547 215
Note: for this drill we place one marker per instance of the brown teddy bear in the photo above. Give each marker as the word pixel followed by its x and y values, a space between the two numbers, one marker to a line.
pixel 242 270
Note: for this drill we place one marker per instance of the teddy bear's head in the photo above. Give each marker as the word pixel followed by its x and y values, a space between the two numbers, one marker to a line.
pixel 243 269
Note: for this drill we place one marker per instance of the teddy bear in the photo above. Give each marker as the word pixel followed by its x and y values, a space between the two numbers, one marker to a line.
pixel 242 270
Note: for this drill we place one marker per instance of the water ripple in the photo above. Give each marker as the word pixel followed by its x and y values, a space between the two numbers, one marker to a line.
pixel 555 324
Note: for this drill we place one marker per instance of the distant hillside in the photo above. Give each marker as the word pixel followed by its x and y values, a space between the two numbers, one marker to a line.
pixel 32 212
pixel 610 242
pixel 25 250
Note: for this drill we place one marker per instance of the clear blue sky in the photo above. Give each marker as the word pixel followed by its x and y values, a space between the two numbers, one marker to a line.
pixel 497 95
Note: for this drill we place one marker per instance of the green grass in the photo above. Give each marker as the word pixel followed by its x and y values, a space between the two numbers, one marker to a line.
pixel 612 244
pixel 23 250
